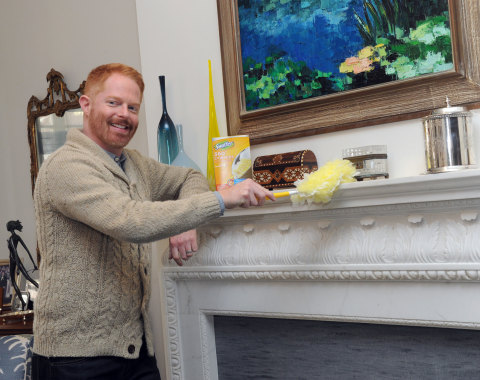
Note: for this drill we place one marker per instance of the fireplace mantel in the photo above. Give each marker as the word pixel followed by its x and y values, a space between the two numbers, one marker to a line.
pixel 445 187
pixel 397 251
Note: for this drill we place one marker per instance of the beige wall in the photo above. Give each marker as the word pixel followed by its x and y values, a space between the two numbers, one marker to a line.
pixel 72 37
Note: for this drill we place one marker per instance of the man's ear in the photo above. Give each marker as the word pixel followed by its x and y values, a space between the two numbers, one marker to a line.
pixel 84 101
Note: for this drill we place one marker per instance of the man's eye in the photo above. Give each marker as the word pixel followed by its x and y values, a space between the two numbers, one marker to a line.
pixel 133 109
pixel 112 103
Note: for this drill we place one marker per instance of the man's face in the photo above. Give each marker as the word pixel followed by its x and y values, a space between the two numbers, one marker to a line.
pixel 111 116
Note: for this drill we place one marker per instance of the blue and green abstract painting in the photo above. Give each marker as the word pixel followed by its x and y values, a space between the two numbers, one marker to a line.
pixel 300 49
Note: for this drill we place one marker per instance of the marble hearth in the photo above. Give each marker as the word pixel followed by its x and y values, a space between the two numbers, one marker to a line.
pixel 400 251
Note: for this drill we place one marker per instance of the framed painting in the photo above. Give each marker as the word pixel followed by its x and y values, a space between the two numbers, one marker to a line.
pixel 5 282
pixel 294 68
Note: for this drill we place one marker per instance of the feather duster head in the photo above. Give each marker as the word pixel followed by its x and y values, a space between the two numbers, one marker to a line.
pixel 319 186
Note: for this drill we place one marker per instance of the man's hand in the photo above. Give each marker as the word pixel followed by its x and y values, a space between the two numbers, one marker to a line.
pixel 183 246
pixel 245 194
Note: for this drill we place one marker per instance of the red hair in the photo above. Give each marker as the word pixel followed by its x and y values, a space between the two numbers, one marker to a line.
pixel 100 74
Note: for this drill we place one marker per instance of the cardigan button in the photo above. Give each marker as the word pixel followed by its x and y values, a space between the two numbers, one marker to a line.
pixel 131 349
pixel 145 271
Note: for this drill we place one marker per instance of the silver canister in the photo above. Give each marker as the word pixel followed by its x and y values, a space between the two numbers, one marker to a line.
pixel 448 140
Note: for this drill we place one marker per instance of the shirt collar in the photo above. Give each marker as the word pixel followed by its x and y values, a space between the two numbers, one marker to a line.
pixel 120 160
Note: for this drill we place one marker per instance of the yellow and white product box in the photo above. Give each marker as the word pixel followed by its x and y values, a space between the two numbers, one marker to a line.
pixel 231 159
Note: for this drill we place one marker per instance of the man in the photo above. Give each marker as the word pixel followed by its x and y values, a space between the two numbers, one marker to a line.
pixel 97 206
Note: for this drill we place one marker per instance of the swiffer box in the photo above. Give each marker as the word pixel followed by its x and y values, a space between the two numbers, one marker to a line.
pixel 231 159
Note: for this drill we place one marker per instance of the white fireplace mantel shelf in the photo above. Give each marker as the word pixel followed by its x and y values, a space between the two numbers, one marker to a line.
pixel 452 186
pixel 396 251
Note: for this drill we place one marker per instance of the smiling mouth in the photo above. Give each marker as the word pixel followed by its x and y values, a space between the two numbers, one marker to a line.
pixel 120 126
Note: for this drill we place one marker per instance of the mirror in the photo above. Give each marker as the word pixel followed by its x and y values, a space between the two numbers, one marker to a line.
pixel 49 120
pixel 52 131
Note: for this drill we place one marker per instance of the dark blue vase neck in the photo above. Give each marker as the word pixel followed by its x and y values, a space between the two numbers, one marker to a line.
pixel 162 89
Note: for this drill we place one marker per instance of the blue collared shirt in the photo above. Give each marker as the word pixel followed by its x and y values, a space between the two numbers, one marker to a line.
pixel 120 160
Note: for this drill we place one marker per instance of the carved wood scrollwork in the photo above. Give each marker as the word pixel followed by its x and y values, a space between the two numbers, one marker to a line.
pixel 58 100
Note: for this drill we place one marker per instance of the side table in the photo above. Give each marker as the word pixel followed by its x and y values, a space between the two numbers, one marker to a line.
pixel 19 322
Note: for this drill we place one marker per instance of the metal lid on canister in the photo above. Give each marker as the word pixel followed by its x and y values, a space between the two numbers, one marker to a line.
pixel 448 110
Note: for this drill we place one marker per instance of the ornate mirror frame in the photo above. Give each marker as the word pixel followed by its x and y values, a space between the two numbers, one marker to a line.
pixel 58 100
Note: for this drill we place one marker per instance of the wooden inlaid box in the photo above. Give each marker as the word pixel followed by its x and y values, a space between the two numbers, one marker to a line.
pixel 280 171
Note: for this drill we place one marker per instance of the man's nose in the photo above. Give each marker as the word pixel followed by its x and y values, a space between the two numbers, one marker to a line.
pixel 123 110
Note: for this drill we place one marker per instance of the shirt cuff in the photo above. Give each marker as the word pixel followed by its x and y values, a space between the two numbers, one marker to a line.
pixel 220 200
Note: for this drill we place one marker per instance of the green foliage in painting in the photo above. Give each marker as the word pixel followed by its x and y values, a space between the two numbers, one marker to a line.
pixel 426 48
pixel 282 80
pixel 392 18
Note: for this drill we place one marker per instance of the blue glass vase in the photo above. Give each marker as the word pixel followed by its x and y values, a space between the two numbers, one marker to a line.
pixel 167 140
pixel 182 158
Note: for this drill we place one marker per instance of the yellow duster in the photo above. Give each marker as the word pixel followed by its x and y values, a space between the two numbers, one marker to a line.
pixel 319 186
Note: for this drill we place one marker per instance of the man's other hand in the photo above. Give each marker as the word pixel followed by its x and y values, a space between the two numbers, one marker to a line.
pixel 183 246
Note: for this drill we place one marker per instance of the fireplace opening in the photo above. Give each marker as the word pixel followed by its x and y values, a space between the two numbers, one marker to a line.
pixel 284 349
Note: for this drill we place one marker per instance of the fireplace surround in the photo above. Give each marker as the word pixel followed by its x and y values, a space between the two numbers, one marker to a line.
pixel 399 252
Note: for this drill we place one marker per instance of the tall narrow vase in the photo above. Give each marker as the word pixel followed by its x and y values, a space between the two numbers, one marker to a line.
pixel 167 140
pixel 182 158
pixel 212 131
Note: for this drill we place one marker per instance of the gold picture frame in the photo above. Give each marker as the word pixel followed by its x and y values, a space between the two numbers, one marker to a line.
pixel 378 104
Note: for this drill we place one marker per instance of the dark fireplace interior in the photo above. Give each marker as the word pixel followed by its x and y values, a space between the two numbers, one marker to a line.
pixel 284 349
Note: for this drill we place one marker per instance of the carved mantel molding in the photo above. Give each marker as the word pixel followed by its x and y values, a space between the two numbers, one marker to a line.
pixel 422 227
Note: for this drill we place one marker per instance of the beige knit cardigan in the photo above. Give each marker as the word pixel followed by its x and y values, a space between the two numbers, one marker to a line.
pixel 93 224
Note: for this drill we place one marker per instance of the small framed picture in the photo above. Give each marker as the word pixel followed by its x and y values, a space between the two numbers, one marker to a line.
pixel 5 282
